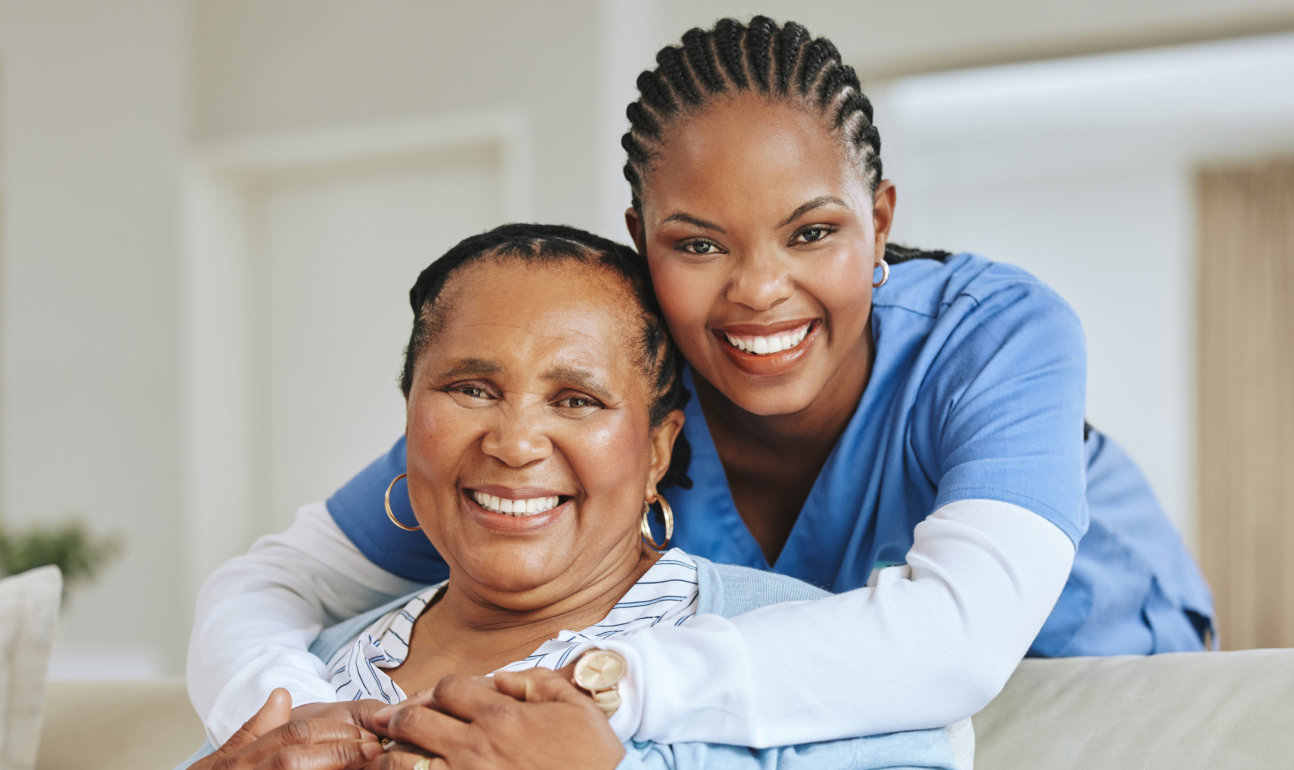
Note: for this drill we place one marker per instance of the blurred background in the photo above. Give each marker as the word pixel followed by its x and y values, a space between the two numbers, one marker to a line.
pixel 211 211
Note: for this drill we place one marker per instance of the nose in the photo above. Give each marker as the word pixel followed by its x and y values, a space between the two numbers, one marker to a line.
pixel 761 281
pixel 517 437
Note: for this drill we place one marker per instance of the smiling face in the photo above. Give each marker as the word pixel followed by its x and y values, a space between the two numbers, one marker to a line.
pixel 530 446
pixel 762 234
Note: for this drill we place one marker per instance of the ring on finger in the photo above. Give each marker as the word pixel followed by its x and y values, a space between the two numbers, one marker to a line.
pixel 422 764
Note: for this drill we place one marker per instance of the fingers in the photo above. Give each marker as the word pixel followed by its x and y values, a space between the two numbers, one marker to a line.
pixel 469 698
pixel 539 685
pixel 274 712
pixel 337 755
pixel 400 760
pixel 311 743
pixel 426 728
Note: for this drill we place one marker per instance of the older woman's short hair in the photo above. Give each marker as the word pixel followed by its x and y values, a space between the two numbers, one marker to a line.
pixel 657 356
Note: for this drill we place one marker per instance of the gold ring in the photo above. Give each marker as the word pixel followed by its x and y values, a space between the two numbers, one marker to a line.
pixel 422 764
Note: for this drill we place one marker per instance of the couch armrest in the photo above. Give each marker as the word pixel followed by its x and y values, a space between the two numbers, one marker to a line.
pixel 1206 709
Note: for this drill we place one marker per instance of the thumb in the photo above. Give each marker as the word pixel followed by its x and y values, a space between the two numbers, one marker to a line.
pixel 276 711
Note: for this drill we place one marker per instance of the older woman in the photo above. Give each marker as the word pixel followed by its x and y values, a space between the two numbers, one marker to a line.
pixel 543 403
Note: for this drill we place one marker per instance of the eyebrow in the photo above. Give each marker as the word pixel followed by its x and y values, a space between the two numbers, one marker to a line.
pixel 584 379
pixel 679 216
pixel 469 366
pixel 818 202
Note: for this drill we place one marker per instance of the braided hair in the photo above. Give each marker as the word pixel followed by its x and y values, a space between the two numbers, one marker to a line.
pixel 782 62
pixel 656 355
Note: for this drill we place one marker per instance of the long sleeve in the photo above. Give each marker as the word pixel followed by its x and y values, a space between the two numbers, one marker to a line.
pixel 918 750
pixel 258 613
pixel 930 643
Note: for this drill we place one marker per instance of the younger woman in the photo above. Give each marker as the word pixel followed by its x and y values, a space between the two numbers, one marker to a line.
pixel 904 428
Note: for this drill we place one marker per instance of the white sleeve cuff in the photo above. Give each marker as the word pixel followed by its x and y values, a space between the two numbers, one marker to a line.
pixel 930 644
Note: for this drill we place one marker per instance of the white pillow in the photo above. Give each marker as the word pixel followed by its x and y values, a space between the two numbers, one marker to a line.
pixel 29 604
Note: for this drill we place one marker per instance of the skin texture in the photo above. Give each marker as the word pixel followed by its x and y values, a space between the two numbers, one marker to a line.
pixel 757 219
pixel 534 719
pixel 530 389
pixel 314 737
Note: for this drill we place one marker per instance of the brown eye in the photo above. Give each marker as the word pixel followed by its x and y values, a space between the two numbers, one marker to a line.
pixel 469 394
pixel 813 233
pixel 700 248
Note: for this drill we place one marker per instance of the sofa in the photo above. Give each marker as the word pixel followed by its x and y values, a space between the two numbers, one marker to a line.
pixel 1226 710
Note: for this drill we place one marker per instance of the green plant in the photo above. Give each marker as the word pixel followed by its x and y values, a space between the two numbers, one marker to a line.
pixel 78 552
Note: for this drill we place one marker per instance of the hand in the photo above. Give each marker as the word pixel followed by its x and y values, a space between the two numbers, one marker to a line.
pixel 277 739
pixel 354 712
pixel 530 719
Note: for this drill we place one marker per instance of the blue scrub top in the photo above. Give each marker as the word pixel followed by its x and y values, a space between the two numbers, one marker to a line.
pixel 976 392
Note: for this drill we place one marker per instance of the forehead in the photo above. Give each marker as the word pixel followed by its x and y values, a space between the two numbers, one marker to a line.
pixel 753 143
pixel 509 308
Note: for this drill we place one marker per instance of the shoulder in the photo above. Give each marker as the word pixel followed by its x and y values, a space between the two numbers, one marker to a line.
pixel 951 317
pixel 727 589
pixel 961 284
pixel 333 638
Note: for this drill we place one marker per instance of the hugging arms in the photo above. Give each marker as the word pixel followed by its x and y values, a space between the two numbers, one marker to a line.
pixel 861 413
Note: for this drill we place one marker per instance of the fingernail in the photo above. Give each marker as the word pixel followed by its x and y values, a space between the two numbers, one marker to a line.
pixel 371 750
pixel 382 719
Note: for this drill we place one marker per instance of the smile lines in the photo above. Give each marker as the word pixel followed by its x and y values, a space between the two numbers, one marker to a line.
pixel 509 507
pixel 768 345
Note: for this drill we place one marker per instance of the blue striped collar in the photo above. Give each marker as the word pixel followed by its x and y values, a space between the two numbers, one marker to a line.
pixel 666 593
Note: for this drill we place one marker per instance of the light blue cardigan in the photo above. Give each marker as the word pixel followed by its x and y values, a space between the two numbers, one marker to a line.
pixel 727 590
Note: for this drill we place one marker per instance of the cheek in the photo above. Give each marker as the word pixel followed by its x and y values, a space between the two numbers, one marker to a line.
pixel 842 277
pixel 435 435
pixel 611 459
pixel 686 297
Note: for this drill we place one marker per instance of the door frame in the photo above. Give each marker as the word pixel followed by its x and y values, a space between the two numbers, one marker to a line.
pixel 219 404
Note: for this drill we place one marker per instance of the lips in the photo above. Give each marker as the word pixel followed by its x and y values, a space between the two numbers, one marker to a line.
pixel 515 506
pixel 769 350
pixel 768 344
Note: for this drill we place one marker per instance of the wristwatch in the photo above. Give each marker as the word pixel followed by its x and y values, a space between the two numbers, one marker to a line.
pixel 598 672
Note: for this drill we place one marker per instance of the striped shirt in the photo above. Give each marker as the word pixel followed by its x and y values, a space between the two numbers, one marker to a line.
pixel 666 593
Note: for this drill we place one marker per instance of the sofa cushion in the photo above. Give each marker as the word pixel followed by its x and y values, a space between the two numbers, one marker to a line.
pixel 29 604
pixel 118 725
pixel 1198 709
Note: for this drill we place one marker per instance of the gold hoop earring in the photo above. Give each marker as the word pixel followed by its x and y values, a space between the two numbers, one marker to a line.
pixel 390 514
pixel 885 274
pixel 644 524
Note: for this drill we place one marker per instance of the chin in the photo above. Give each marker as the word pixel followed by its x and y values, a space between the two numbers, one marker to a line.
pixel 773 402
pixel 514 573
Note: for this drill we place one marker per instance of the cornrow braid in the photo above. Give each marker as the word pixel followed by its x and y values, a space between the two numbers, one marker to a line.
pixel 784 62
pixel 729 36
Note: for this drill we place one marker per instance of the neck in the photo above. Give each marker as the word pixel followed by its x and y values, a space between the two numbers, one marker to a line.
pixel 473 632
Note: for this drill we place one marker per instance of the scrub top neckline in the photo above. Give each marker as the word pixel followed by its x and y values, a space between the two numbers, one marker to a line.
pixel 803 553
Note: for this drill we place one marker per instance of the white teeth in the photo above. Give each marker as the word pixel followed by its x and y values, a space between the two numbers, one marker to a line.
pixel 526 507
pixel 773 343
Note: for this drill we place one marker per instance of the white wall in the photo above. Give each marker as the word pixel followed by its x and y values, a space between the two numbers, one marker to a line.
pixel 92 124
pixel 304 65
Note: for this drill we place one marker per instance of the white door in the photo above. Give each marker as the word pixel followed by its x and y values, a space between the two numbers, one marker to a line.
pixel 334 251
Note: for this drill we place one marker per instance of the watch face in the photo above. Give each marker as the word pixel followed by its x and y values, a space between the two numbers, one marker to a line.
pixel 599 669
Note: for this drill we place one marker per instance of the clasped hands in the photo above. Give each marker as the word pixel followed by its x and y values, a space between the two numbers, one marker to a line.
pixel 530 719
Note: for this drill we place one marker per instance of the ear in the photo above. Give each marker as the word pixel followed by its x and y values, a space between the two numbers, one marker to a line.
pixel 882 216
pixel 635 227
pixel 662 447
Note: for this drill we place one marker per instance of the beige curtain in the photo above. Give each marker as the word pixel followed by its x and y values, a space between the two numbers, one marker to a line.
pixel 1246 399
